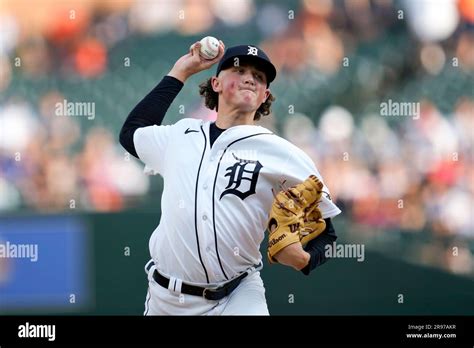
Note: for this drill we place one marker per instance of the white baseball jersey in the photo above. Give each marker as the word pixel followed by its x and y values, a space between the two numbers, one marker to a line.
pixel 216 200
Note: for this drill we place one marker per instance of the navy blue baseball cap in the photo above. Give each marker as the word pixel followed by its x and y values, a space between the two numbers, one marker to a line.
pixel 248 53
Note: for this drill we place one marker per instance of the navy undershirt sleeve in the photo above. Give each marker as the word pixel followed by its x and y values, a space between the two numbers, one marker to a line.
pixel 316 247
pixel 149 111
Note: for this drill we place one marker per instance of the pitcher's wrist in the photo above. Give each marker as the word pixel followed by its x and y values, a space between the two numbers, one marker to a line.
pixel 178 74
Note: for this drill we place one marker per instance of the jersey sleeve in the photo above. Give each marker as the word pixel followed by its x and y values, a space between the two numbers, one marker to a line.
pixel 296 168
pixel 151 144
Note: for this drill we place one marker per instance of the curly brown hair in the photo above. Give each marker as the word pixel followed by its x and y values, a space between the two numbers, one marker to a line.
pixel 211 100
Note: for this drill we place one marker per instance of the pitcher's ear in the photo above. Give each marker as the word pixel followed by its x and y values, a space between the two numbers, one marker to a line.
pixel 267 94
pixel 216 84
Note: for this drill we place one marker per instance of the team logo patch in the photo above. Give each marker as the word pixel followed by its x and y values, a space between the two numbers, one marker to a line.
pixel 243 176
pixel 252 51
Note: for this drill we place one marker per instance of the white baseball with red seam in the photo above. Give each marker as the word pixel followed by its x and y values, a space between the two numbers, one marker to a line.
pixel 209 47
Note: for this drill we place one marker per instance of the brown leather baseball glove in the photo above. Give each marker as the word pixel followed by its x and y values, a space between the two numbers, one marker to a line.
pixel 295 216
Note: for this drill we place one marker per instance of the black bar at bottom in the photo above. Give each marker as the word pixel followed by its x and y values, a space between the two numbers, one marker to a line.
pixel 413 330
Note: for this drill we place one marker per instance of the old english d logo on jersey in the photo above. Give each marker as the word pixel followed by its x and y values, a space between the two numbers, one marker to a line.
pixel 243 174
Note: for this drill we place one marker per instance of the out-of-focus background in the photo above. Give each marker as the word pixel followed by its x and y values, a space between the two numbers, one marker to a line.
pixel 379 93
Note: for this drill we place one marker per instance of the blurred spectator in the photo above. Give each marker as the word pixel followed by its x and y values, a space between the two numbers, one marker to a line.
pixel 90 58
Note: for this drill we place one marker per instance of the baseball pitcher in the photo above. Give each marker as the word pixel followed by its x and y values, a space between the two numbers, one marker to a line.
pixel 226 184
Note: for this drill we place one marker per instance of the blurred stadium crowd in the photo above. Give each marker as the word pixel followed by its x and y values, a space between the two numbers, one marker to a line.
pixel 395 177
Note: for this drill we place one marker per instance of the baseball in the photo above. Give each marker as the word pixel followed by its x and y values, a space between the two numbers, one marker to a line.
pixel 209 47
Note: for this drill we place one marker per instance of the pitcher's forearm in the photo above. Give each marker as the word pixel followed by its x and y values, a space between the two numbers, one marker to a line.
pixel 178 74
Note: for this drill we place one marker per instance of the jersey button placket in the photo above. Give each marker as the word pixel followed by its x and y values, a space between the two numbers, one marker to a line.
pixel 204 235
pixel 206 191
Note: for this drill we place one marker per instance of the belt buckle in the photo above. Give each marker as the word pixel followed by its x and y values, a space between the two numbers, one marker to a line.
pixel 207 289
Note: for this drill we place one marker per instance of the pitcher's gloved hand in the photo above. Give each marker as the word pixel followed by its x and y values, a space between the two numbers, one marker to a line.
pixel 295 216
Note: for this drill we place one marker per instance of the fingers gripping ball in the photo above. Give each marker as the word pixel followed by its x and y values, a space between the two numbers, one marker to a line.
pixel 291 209
pixel 209 47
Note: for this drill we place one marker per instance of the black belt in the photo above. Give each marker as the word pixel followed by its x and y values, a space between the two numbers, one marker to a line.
pixel 214 294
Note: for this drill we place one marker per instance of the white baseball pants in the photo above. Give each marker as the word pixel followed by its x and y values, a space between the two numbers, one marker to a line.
pixel 247 299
